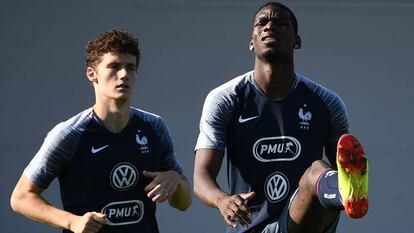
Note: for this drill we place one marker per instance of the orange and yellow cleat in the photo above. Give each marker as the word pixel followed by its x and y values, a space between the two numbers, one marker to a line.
pixel 352 176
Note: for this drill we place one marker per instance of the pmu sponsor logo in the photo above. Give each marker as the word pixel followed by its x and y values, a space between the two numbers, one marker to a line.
pixel 270 149
pixel 123 212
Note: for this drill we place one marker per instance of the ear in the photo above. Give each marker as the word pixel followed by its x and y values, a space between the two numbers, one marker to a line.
pixel 91 75
pixel 251 47
pixel 298 42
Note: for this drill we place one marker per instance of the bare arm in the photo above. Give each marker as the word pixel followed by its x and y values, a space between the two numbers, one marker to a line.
pixel 181 199
pixel 206 169
pixel 232 208
pixel 169 185
pixel 27 200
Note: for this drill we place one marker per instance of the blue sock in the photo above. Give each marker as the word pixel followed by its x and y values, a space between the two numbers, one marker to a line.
pixel 327 190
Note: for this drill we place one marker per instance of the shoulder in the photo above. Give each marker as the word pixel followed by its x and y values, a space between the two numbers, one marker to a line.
pixel 145 115
pixel 57 149
pixel 152 119
pixel 232 87
pixel 74 126
pixel 333 103
pixel 326 95
pixel 225 95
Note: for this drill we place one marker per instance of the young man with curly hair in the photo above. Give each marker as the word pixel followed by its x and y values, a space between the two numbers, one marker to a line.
pixel 113 161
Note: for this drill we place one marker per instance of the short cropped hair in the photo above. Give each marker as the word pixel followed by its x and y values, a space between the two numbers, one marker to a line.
pixel 111 41
pixel 278 4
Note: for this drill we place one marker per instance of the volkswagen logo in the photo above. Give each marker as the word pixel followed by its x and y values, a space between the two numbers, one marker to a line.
pixel 124 176
pixel 276 187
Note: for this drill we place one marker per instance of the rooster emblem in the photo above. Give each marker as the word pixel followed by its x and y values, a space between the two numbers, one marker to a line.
pixel 305 117
pixel 143 142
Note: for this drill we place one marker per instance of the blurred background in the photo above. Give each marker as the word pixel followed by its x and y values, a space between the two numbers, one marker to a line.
pixel 360 49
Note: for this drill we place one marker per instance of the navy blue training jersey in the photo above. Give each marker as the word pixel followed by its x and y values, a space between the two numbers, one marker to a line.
pixel 102 171
pixel 270 143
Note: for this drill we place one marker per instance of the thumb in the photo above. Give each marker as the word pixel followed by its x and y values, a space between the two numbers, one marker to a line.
pixel 248 196
pixel 149 174
pixel 99 217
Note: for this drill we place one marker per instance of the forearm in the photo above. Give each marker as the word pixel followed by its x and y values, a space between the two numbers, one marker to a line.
pixel 206 169
pixel 181 199
pixel 208 190
pixel 37 208
pixel 29 202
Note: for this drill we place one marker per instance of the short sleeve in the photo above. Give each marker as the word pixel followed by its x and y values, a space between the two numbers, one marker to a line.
pixel 216 114
pixel 53 156
pixel 57 150
pixel 169 160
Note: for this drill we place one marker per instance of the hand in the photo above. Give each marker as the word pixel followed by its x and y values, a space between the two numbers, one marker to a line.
pixel 163 184
pixel 90 222
pixel 234 209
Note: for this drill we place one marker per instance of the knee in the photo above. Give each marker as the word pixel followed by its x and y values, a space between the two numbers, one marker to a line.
pixel 310 178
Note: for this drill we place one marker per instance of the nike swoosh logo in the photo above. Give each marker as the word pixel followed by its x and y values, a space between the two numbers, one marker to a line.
pixel 96 150
pixel 242 120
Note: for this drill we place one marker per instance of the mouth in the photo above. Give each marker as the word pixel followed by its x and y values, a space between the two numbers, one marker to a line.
pixel 269 37
pixel 122 86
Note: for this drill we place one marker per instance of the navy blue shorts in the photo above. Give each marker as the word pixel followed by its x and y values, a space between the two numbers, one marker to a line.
pixel 281 223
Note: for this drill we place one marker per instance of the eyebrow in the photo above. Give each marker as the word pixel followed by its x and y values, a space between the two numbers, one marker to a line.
pixel 120 63
pixel 275 16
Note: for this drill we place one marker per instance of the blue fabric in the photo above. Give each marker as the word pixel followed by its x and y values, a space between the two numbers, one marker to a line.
pixel 102 171
pixel 328 193
pixel 270 143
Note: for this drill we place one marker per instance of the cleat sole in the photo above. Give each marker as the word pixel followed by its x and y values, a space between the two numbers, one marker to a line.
pixel 352 166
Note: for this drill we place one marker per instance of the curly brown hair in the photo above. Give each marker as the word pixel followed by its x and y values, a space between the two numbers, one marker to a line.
pixel 111 41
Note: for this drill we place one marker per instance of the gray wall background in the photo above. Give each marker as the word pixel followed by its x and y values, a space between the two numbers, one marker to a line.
pixel 361 49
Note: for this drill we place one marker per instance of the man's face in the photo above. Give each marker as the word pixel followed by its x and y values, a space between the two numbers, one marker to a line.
pixel 114 77
pixel 273 33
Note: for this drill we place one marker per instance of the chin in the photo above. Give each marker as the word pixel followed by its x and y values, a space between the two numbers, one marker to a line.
pixel 270 54
pixel 124 97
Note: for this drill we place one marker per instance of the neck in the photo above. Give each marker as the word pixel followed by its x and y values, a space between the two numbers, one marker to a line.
pixel 114 115
pixel 275 79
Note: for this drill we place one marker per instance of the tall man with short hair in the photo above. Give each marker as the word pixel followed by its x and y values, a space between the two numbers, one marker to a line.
pixel 274 125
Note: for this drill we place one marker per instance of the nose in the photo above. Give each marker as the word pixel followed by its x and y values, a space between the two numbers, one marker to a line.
pixel 269 26
pixel 122 73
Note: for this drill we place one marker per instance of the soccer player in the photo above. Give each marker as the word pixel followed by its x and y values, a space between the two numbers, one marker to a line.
pixel 274 125
pixel 114 162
